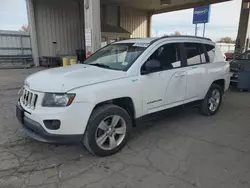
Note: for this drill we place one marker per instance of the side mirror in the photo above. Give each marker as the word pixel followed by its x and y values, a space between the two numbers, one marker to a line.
pixel 151 66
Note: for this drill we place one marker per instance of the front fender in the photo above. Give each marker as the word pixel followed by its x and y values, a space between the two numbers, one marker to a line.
pixel 98 93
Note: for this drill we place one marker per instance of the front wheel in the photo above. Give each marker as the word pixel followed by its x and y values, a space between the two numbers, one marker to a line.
pixel 212 102
pixel 108 130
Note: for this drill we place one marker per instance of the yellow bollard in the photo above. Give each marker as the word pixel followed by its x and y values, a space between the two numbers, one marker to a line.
pixel 72 61
pixel 65 61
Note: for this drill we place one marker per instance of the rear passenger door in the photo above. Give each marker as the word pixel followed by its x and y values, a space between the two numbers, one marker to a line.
pixel 174 74
pixel 196 60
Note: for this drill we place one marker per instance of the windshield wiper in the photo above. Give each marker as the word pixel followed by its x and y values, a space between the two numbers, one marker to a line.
pixel 100 65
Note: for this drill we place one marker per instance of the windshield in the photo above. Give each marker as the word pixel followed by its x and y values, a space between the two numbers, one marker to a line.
pixel 116 56
pixel 244 56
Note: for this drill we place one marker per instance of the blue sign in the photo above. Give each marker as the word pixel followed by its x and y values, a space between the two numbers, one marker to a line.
pixel 201 14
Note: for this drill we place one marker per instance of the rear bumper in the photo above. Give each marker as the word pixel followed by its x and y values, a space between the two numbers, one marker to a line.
pixel 35 130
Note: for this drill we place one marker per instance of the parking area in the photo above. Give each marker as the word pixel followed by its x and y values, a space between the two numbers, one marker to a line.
pixel 180 149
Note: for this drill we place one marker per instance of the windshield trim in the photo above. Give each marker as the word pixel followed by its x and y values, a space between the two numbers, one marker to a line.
pixel 104 67
pixel 128 67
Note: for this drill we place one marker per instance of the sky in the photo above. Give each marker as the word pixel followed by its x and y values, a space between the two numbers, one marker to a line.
pixel 13 14
pixel 224 19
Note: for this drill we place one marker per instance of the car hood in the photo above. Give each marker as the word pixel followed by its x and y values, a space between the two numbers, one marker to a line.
pixel 64 79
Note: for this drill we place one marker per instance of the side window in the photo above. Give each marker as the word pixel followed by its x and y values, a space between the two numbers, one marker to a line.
pixel 192 53
pixel 247 56
pixel 204 58
pixel 210 51
pixel 168 55
pixel 195 53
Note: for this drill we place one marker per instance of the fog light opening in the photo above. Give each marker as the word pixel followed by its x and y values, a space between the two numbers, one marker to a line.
pixel 52 124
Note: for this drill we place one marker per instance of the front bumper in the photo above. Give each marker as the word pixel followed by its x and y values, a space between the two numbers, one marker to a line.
pixel 36 131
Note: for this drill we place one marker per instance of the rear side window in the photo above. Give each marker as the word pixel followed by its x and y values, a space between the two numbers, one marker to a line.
pixel 193 53
pixel 204 58
pixel 210 51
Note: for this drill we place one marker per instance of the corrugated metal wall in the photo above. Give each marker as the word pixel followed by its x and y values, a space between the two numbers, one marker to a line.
pixel 134 21
pixel 14 43
pixel 58 21
pixel 111 16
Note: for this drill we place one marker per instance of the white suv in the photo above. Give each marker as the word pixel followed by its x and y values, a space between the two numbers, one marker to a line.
pixel 97 102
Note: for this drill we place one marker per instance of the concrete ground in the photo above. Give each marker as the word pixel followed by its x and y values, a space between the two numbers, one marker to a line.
pixel 177 150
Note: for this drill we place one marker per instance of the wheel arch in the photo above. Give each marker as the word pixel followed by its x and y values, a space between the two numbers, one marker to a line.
pixel 124 102
pixel 221 83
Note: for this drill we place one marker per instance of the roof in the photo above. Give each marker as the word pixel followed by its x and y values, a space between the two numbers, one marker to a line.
pixel 151 40
pixel 14 33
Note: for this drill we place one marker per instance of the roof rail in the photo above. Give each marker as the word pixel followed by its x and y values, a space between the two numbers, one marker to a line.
pixel 129 39
pixel 179 36
pixel 189 36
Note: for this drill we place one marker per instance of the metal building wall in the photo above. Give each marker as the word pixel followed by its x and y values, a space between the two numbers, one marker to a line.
pixel 111 15
pixel 135 21
pixel 14 43
pixel 58 21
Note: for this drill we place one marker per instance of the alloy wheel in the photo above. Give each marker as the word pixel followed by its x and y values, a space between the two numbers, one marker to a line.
pixel 214 100
pixel 110 132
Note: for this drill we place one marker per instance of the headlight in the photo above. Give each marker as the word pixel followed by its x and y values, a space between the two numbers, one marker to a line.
pixel 57 99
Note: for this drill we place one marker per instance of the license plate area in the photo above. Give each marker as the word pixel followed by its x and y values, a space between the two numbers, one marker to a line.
pixel 19 113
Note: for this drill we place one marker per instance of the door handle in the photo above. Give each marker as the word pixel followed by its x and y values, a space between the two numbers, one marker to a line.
pixel 180 75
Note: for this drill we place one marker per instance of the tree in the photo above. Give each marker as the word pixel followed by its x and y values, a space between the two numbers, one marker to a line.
pixel 24 28
pixel 226 40
pixel 176 33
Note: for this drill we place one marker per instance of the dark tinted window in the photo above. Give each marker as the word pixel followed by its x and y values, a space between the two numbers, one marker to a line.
pixel 210 51
pixel 204 59
pixel 244 56
pixel 168 55
pixel 195 53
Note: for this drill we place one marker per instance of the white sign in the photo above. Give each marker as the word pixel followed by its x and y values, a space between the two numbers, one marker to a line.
pixel 200 12
pixel 88 37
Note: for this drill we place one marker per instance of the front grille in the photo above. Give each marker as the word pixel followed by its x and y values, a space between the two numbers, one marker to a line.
pixel 29 99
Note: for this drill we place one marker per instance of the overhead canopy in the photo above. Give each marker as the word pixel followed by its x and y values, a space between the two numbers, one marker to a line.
pixel 113 29
pixel 161 6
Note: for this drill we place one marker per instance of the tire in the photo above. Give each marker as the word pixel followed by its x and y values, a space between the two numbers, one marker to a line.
pixel 206 103
pixel 106 115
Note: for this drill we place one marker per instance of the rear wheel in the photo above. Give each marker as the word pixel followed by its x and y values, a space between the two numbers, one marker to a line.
pixel 212 102
pixel 108 130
